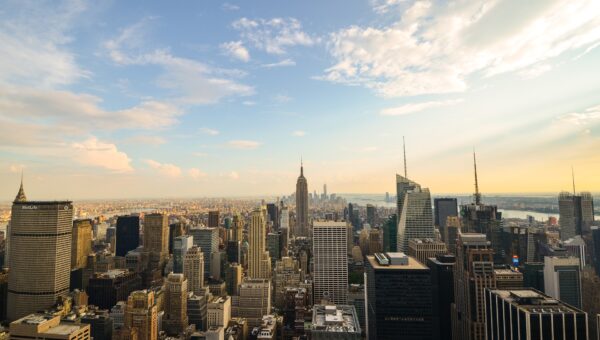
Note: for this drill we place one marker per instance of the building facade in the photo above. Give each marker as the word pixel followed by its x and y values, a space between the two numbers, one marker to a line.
pixel 330 256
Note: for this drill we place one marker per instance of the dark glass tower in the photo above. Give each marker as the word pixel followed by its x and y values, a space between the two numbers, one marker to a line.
pixel 443 208
pixel 128 234
pixel 390 233
pixel 399 298
pixel 442 282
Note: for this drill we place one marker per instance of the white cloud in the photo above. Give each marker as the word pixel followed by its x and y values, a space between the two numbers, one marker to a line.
pixel 282 98
pixel 236 50
pixel 588 116
pixel 298 133
pixel 417 107
pixel 33 37
pixel 76 109
pixel 275 35
pixel 282 63
pixel 249 103
pixel 230 7
pixel 93 152
pixel 192 81
pixel 166 169
pixel 208 131
pixel 234 175
pixel 435 48
pixel 243 144
pixel 196 174
pixel 147 140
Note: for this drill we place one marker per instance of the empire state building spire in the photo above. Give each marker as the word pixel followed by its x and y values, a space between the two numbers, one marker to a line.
pixel 21 194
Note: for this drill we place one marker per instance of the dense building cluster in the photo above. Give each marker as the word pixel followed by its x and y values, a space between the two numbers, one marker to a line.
pixel 306 266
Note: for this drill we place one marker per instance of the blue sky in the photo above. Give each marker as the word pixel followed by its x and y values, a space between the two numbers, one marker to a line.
pixel 206 98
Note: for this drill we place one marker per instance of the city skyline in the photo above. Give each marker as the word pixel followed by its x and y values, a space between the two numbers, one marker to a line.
pixel 222 99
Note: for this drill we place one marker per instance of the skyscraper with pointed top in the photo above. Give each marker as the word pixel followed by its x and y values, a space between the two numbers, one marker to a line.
pixel 40 254
pixel 301 228
pixel 576 212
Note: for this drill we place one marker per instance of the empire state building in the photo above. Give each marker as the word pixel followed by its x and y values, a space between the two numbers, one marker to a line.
pixel 301 205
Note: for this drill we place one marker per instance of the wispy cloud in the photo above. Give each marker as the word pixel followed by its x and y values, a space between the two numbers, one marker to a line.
pixel 236 50
pixel 230 7
pixel 196 173
pixel 243 144
pixel 147 140
pixel 93 152
pixel 417 107
pixel 282 63
pixel 299 133
pixel 208 131
pixel 588 116
pixel 417 54
pixel 166 169
pixel 282 98
pixel 275 35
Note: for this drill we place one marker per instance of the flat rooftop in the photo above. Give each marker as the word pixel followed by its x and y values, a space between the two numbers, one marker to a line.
pixel 413 264
pixel 533 301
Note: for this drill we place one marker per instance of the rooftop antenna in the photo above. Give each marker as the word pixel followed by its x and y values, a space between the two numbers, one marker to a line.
pixel 477 194
pixel 301 166
pixel 404 147
pixel 573 176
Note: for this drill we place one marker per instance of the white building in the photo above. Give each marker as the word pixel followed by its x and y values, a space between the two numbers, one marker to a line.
pixel 330 243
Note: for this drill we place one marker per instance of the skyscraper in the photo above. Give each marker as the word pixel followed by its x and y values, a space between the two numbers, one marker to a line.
pixel 562 279
pixel 529 314
pixel 181 245
pixel 207 239
pixel 259 262
pixel 81 244
pixel 40 254
pixel 576 213
pixel 175 302
pixel 330 258
pixel 156 234
pixel 415 218
pixel 193 269
pixel 390 234
pixel 213 219
pixel 273 214
pixel 237 228
pixel 473 273
pixel 253 301
pixel 442 285
pixel 399 298
pixel 128 234
pixel 141 314
pixel 443 208
pixel 301 205
pixel 371 214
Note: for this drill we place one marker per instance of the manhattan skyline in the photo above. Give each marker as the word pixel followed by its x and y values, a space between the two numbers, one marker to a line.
pixel 129 100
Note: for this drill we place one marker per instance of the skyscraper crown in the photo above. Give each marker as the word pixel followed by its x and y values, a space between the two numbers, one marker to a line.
pixel 21 194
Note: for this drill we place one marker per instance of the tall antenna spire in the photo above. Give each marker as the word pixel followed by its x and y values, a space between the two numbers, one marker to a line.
pixel 477 194
pixel 573 176
pixel 404 147
pixel 301 167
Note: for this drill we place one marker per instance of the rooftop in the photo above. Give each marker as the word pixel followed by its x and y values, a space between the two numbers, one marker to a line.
pixel 534 301
pixel 412 264
pixel 335 318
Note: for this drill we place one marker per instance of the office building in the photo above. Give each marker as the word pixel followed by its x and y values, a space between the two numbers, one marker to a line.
pixel 175 319
pixel 576 247
pixel 233 278
pixel 273 246
pixel 193 269
pixel 473 273
pixel 81 243
pixel 197 311
pixel 442 284
pixel 40 254
pixel 375 240
pixel 213 219
pixel 259 261
pixel 519 245
pixel 141 314
pixel 562 279
pixel 508 278
pixel 237 228
pixel 106 289
pixel 371 215
pixel 335 322
pixel 596 248
pixel 424 248
pixel 42 326
pixel 128 234
pixel 273 214
pixel 219 311
pixel 207 239
pixel 156 238
pixel 330 261
pixel 253 301
pixel 576 214
pixel 356 298
pixel 390 233
pixel 391 311
pixel 175 230
pixel 453 228
pixel 234 251
pixel 444 208
pixel 415 218
pixel 533 275
pixel 301 228
pixel 181 245
pixel 287 273
pixel 530 314
pixel 101 324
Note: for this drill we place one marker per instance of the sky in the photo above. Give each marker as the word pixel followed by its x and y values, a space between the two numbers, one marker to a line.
pixel 131 99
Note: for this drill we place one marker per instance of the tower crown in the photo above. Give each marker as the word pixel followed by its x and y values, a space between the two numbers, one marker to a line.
pixel 21 194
